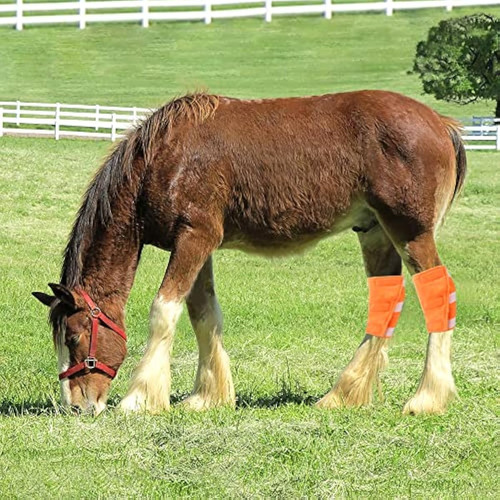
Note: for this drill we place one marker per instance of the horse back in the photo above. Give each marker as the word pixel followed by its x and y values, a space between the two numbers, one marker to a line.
pixel 296 169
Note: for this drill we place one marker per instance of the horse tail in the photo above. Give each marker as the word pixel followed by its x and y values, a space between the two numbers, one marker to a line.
pixel 454 129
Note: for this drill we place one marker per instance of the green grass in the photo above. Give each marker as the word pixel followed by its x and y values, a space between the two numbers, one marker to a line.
pixel 290 325
pixel 129 65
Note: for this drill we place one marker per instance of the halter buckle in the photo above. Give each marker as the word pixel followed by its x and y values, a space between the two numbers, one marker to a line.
pixel 95 311
pixel 90 363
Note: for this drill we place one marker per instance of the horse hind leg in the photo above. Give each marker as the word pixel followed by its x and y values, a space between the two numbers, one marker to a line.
pixel 418 250
pixel 355 385
pixel 437 387
pixel 214 384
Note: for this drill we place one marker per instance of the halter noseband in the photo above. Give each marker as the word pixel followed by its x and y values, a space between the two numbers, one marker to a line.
pixel 91 362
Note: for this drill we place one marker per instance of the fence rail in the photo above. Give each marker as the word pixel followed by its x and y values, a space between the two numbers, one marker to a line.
pixel 81 12
pixel 67 120
pixel 108 122
pixel 482 137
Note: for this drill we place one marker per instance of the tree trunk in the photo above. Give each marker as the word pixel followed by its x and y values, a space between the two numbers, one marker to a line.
pixel 497 111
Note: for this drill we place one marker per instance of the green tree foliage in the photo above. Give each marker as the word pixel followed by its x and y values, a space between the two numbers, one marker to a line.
pixel 460 60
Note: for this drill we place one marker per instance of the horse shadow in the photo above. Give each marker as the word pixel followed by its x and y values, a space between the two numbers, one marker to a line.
pixel 283 397
pixel 23 408
pixel 49 407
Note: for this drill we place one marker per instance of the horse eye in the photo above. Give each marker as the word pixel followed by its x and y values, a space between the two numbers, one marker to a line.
pixel 73 340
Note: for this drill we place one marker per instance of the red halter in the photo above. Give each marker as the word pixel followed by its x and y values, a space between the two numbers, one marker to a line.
pixel 91 362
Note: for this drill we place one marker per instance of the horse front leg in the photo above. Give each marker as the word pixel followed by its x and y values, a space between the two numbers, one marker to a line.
pixel 151 383
pixel 213 385
pixel 355 384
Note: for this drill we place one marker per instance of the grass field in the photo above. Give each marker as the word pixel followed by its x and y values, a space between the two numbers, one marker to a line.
pixel 290 325
pixel 132 66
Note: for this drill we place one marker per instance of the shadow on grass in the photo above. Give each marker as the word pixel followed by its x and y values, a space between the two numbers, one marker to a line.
pixel 275 400
pixel 18 409
pixel 288 391
pixel 49 407
pixel 283 397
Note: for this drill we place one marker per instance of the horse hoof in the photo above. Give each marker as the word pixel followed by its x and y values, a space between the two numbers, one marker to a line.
pixel 132 403
pixel 424 404
pixel 196 402
pixel 330 402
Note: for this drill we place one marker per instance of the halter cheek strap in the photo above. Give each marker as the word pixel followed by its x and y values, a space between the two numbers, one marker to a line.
pixel 91 362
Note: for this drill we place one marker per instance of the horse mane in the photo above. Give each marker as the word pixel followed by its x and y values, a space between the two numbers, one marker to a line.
pixel 95 211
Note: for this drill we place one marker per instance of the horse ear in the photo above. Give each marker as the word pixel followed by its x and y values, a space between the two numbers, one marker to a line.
pixel 44 298
pixel 63 294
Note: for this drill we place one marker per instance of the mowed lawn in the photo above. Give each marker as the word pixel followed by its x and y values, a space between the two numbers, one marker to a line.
pixel 131 66
pixel 291 324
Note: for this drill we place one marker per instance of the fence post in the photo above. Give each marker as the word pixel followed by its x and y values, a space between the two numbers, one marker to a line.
pixel 208 11
pixel 389 7
pixel 449 5
pixel 145 14
pixel 498 137
pixel 328 9
pixel 269 14
pixel 96 117
pixel 19 15
pixel 135 116
pixel 82 14
pixel 58 116
pixel 113 127
pixel 18 113
pixel 1 122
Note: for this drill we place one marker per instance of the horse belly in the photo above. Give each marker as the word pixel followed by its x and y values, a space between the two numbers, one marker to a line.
pixel 275 243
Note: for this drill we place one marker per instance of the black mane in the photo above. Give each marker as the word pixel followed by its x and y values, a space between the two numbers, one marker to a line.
pixel 95 211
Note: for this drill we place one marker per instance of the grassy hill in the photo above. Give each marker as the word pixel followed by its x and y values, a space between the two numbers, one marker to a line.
pixel 128 65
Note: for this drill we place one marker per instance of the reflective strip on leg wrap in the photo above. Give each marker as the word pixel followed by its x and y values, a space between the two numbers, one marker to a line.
pixel 436 293
pixel 386 297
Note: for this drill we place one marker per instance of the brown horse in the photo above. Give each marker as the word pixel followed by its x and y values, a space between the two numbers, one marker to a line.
pixel 268 176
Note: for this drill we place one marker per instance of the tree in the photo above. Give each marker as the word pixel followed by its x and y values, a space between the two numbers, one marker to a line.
pixel 460 60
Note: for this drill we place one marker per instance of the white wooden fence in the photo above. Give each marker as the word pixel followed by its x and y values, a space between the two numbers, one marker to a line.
pixel 482 137
pixel 106 122
pixel 67 120
pixel 81 12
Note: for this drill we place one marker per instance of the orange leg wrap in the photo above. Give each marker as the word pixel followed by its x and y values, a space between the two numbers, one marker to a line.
pixel 436 293
pixel 386 297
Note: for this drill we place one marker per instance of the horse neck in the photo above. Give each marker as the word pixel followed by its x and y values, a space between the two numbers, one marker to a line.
pixel 110 263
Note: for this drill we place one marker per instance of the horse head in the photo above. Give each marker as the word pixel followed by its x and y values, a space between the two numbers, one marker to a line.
pixel 90 347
